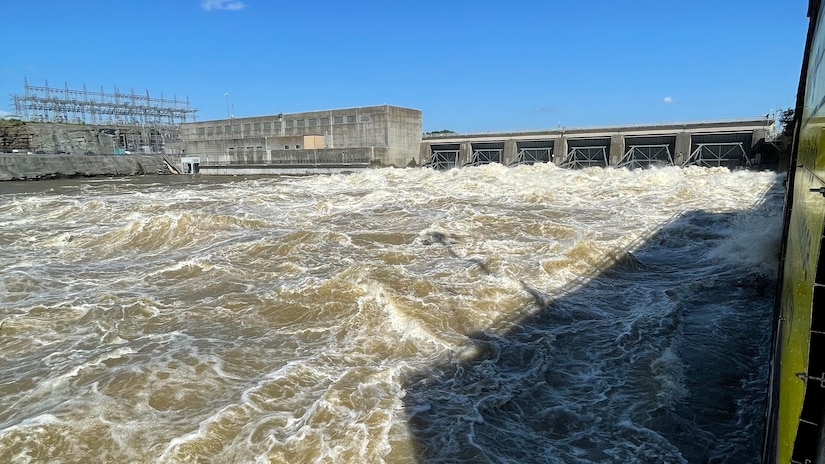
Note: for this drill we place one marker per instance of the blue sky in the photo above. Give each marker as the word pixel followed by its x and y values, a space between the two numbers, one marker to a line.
pixel 469 66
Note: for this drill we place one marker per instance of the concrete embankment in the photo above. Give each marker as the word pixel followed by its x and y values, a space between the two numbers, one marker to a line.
pixel 18 166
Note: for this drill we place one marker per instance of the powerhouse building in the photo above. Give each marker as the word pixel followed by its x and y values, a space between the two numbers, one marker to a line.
pixel 382 135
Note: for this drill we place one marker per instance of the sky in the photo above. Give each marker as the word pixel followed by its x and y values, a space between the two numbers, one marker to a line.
pixel 468 66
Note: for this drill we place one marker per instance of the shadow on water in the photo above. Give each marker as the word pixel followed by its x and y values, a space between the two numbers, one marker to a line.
pixel 661 356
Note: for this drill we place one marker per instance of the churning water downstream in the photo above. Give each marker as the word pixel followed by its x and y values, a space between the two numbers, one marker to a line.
pixel 531 314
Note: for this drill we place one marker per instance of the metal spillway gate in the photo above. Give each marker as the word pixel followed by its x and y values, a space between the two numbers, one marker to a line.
pixel 532 152
pixel 486 153
pixel 643 152
pixel 443 156
pixel 720 150
pixel 585 153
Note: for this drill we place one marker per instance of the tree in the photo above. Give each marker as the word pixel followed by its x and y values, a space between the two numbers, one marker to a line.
pixel 786 118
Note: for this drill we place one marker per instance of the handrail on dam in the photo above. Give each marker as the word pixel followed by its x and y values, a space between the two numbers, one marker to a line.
pixel 285 162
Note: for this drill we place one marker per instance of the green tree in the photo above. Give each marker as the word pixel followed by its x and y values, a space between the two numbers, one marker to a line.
pixel 786 118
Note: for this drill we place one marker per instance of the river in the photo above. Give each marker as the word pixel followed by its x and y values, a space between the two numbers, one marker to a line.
pixel 490 314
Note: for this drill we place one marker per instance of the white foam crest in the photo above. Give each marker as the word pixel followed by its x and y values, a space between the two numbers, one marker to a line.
pixel 197 262
pixel 171 452
pixel 647 437
pixel 216 364
pixel 753 239
pixel 252 397
pixel 669 371
pixel 117 353
pixel 336 424
pixel 402 324
pixel 36 421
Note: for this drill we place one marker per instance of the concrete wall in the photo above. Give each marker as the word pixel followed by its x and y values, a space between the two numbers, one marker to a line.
pixel 403 136
pixel 29 167
pixel 287 142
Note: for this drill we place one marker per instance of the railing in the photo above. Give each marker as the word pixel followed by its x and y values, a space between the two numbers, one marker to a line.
pixel 311 158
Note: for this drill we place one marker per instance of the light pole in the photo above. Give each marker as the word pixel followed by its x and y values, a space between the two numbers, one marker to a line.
pixel 225 155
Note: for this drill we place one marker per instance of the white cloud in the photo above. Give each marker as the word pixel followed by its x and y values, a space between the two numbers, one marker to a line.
pixel 668 100
pixel 210 5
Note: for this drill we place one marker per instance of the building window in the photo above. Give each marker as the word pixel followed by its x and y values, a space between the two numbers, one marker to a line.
pixel 267 126
pixel 227 129
pixel 286 147
pixel 350 119
pixel 313 122
pixel 365 118
pixel 289 123
pixel 324 121
pixel 200 130
pixel 246 128
pixel 236 128
pixel 278 125
pixel 339 120
pixel 210 131
pixel 218 130
pixel 300 123
pixel 297 147
pixel 257 127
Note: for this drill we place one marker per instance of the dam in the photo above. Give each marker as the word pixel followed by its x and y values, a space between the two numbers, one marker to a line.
pixel 350 139
pixel 358 138
pixel 73 122
pixel 730 143
pixel 79 122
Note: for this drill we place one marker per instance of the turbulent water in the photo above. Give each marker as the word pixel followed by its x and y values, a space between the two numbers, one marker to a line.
pixel 530 314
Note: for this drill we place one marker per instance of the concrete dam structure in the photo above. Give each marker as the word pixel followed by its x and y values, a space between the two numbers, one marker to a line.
pixel 729 143
pixel 301 143
pixel 346 139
